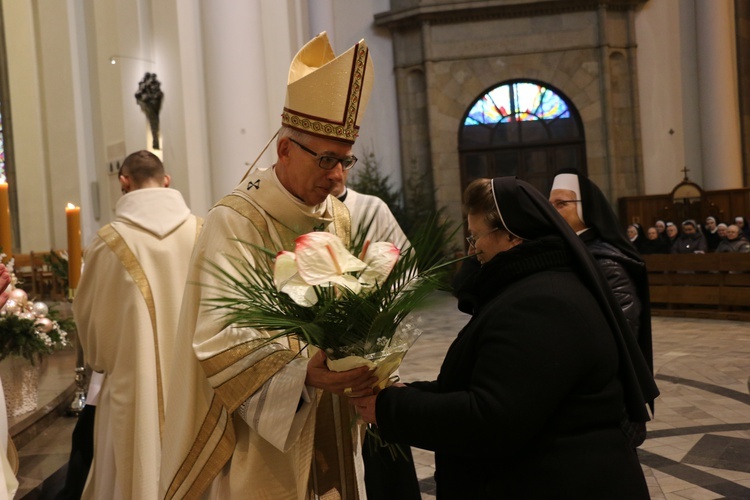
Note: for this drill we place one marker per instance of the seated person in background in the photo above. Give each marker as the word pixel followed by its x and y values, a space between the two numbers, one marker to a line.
pixel 660 226
pixel 636 237
pixel 672 233
pixel 721 230
pixel 741 223
pixel 653 243
pixel 734 242
pixel 711 233
pixel 690 241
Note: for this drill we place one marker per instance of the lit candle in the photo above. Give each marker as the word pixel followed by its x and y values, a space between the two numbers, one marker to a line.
pixel 73 216
pixel 5 239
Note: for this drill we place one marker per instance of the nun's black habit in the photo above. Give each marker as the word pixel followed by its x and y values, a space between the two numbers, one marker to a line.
pixel 530 395
pixel 621 263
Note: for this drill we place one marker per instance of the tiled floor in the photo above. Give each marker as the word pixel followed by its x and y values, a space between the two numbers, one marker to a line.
pixel 699 442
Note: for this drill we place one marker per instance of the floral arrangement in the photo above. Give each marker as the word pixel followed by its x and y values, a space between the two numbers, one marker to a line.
pixel 29 329
pixel 350 303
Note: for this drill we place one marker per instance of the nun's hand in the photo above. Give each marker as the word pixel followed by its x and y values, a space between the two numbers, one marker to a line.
pixel 365 406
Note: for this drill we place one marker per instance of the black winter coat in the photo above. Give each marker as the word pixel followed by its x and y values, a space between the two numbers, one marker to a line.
pixel 527 403
pixel 614 264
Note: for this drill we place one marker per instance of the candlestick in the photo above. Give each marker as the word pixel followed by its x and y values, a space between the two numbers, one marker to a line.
pixel 6 241
pixel 73 217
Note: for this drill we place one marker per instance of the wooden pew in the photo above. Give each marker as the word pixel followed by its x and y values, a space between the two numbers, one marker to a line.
pixel 712 285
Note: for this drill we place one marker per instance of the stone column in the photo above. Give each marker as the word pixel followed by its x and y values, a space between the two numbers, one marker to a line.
pixel 236 90
pixel 719 101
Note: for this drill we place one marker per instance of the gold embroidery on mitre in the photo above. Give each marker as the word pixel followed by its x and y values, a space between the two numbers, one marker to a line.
pixel 314 95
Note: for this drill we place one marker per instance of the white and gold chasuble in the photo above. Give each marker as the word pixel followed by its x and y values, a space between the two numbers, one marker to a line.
pixel 127 310
pixel 287 441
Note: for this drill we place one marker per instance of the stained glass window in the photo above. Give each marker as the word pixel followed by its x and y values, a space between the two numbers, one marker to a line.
pixel 522 101
pixel 523 128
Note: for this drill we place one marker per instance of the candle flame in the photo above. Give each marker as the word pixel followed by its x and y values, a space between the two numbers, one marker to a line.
pixel 70 205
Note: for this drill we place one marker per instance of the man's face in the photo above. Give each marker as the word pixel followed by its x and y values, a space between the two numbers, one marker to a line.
pixel 632 232
pixel 710 224
pixel 652 233
pixel 299 172
pixel 563 201
pixel 688 229
pixel 733 232
pixel 340 187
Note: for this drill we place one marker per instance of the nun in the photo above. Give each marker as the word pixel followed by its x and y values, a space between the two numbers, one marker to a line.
pixel 588 212
pixel 530 395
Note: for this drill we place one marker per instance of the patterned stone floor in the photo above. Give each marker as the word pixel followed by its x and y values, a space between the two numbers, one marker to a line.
pixel 699 442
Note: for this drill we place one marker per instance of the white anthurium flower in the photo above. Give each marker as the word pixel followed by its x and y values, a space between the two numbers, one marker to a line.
pixel 322 258
pixel 380 258
pixel 287 280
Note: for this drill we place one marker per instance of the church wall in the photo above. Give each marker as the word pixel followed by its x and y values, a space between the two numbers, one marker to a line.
pixel 666 80
pixel 346 23
pixel 25 91
pixel 464 59
pixel 59 112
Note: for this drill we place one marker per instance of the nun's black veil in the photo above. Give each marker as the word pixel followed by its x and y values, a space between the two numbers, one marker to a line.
pixel 598 214
pixel 526 213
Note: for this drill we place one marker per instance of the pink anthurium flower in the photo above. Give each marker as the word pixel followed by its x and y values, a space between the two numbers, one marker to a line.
pixel 287 279
pixel 322 258
pixel 380 258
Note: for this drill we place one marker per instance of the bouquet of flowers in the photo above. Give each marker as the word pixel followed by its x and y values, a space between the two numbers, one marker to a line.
pixel 350 303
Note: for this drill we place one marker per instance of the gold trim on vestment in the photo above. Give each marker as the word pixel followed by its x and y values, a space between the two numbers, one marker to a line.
pixel 198 227
pixel 117 244
pixel 239 388
pixel 12 454
pixel 217 421
pixel 334 452
pixel 248 211
pixel 219 362
pixel 342 221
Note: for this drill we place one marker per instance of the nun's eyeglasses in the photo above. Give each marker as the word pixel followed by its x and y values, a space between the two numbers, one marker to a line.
pixel 473 239
pixel 560 204
pixel 328 162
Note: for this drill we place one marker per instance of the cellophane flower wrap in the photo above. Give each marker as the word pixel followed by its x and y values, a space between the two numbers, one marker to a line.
pixel 349 302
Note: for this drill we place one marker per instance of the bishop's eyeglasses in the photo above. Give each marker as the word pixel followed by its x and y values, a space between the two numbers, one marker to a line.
pixel 327 162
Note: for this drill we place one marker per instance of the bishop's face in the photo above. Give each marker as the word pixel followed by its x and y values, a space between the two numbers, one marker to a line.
pixel 299 171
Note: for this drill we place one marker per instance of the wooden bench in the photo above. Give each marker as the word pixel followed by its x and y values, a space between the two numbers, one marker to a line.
pixel 712 285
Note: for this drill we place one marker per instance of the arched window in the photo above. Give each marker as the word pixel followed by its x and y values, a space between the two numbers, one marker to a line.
pixel 521 128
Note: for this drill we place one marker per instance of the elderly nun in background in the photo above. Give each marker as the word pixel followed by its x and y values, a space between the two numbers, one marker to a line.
pixel 530 396
pixel 588 212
